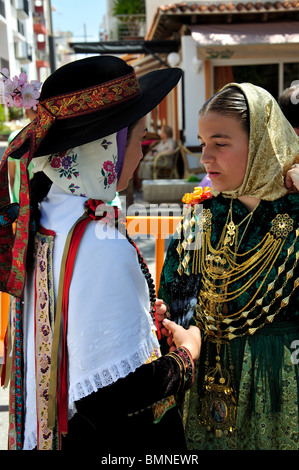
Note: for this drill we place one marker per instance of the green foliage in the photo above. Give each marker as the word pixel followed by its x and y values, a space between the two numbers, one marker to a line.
pixel 3 128
pixel 193 179
pixel 2 114
pixel 15 113
pixel 129 7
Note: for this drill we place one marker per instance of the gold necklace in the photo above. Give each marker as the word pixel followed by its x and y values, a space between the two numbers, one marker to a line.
pixel 220 268
pixel 232 229
pixel 217 408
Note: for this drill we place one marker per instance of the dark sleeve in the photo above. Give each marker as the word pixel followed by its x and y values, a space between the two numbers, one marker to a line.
pixel 169 269
pixel 150 383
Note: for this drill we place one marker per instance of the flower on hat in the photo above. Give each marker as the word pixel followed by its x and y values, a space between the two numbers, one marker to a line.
pixel 17 91
pixel 30 94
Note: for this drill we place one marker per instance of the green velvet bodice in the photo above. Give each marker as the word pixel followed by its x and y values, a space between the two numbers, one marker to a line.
pixel 181 292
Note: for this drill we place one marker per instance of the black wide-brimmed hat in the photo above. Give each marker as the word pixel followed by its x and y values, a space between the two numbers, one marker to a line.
pixel 80 102
pixel 125 99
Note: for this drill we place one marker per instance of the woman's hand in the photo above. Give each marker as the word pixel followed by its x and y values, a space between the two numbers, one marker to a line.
pixel 292 177
pixel 161 309
pixel 178 336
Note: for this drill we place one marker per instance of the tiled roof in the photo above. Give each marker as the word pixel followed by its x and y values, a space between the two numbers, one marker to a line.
pixel 228 7
pixel 168 19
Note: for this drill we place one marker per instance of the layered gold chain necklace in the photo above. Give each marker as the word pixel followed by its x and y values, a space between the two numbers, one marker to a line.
pixel 226 276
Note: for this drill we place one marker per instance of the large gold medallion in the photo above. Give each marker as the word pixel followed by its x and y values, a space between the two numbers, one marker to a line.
pixel 218 409
pixel 218 404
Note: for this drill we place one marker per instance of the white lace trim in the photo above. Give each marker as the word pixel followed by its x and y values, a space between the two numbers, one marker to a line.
pixel 30 441
pixel 102 377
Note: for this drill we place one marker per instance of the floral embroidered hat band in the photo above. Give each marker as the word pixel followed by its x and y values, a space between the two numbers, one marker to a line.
pixel 81 102
pixel 92 98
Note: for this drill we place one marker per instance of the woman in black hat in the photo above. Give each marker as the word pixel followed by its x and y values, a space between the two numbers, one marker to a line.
pixel 86 370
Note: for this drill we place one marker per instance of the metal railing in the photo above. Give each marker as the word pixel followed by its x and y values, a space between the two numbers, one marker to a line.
pixel 23 5
pixel 130 26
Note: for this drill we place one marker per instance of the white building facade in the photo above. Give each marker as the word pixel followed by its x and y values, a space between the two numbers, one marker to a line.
pixel 25 27
pixel 222 42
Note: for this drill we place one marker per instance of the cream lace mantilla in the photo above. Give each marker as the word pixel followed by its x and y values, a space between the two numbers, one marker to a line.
pixel 273 147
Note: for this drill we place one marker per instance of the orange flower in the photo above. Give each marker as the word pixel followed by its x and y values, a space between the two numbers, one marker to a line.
pixel 199 194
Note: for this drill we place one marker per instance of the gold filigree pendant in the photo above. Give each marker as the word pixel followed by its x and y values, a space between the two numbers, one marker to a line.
pixel 218 409
pixel 282 225
pixel 218 404
pixel 230 234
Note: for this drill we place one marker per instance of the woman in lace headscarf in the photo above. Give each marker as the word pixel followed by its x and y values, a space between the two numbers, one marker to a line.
pixel 232 271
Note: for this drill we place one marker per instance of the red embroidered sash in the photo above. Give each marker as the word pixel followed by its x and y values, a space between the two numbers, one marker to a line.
pixel 58 377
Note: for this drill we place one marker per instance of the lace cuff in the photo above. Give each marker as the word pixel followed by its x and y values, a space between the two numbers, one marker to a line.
pixel 185 361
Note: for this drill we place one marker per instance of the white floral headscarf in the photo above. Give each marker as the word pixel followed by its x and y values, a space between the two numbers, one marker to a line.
pixel 90 170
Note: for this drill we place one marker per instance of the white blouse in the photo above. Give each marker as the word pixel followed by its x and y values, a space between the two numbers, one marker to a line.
pixel 110 331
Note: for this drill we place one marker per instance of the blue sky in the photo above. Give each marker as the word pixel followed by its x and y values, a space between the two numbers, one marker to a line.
pixel 72 15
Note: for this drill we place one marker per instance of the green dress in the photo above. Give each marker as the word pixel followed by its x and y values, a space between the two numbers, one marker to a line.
pixel 261 357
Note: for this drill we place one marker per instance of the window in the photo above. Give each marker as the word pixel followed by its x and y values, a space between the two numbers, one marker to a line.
pixel 263 75
pixel 290 74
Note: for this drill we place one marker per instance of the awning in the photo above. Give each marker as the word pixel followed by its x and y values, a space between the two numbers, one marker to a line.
pixel 246 40
pixel 126 47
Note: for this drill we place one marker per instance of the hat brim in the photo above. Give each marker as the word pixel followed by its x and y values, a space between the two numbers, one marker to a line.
pixel 64 135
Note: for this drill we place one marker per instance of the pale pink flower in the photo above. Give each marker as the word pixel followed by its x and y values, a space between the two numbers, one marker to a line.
pixel 29 96
pixel 17 101
pixel 22 78
pixel 36 84
pixel 5 72
pixel 10 85
pixel 18 92
pixel 8 100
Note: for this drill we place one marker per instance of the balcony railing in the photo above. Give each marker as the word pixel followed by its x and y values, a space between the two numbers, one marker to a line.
pixel 21 28
pixel 24 52
pixel 23 9
pixel 130 26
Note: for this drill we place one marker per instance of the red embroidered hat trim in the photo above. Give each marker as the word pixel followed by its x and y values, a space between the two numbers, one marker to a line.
pixel 94 98
pixel 75 104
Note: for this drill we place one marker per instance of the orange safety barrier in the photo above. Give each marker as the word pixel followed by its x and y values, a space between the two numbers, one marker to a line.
pixel 4 308
pixel 159 227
